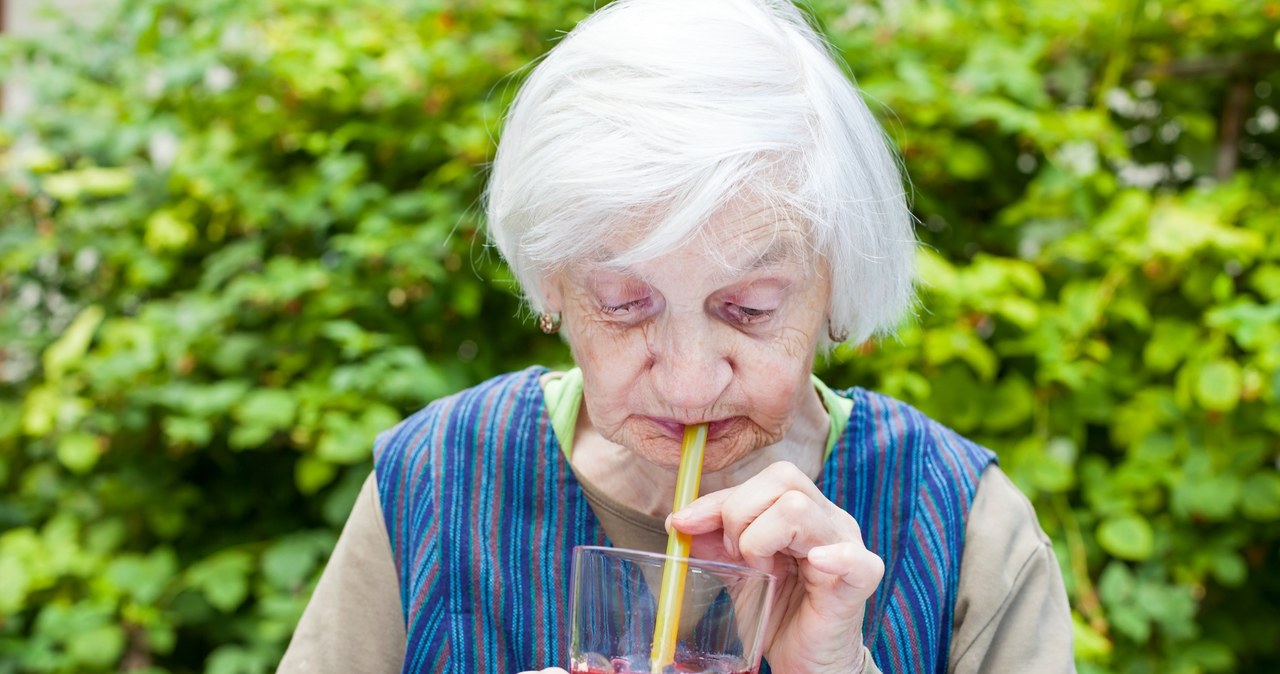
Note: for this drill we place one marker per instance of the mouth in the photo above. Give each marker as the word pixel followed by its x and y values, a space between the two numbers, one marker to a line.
pixel 675 429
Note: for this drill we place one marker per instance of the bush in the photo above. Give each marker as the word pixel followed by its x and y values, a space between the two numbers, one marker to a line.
pixel 240 238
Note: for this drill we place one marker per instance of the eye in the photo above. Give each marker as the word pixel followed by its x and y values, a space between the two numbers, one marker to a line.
pixel 747 315
pixel 626 307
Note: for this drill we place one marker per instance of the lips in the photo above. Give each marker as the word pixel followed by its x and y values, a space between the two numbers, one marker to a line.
pixel 675 429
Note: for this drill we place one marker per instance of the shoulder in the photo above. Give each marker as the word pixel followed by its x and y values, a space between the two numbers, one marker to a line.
pixel 888 424
pixel 1002 535
pixel 446 420
pixel 1012 612
pixel 1002 527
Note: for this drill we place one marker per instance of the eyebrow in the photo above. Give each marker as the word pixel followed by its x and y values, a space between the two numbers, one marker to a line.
pixel 784 247
pixel 786 244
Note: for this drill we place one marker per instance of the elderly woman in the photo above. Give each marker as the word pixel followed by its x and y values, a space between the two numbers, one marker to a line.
pixel 695 197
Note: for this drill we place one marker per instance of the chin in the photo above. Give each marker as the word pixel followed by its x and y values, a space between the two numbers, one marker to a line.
pixel 728 451
pixel 659 450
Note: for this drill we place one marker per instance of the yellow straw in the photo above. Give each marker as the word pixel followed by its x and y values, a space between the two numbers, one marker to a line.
pixel 671 592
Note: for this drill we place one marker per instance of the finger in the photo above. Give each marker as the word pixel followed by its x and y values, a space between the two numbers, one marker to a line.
pixel 711 547
pixel 779 477
pixel 701 516
pixel 775 479
pixel 792 525
pixel 854 571
pixel 757 495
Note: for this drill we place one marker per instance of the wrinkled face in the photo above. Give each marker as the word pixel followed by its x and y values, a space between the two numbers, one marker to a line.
pixel 679 340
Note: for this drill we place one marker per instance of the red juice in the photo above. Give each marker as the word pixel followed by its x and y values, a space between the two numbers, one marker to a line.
pixel 703 664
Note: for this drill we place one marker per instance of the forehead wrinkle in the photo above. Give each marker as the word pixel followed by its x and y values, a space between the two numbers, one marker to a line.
pixel 733 240
pixel 784 245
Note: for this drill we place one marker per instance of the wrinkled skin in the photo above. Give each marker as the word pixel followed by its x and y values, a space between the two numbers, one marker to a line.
pixel 686 339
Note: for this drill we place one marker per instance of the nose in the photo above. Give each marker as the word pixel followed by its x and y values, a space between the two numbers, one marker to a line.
pixel 690 364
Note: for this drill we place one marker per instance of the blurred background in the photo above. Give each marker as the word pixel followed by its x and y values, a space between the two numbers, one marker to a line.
pixel 237 239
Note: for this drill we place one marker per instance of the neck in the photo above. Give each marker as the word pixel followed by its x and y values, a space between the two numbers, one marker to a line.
pixel 640 485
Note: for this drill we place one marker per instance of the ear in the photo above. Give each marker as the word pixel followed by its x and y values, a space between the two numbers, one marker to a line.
pixel 552 297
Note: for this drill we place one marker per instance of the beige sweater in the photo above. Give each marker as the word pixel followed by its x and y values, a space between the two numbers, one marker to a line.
pixel 1011 611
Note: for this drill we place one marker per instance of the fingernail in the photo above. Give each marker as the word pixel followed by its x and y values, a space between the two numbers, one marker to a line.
pixel 820 555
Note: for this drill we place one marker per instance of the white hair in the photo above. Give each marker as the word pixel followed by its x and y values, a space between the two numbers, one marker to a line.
pixel 653 115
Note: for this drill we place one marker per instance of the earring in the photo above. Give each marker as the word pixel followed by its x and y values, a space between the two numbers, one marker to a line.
pixel 836 336
pixel 549 322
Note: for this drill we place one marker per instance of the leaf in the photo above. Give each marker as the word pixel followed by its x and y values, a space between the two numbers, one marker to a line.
pixel 1082 305
pixel 1010 404
pixel 289 563
pixel 262 414
pixel 223 578
pixel 1266 280
pixel 1020 311
pixel 936 273
pixel 1260 497
pixel 1053 469
pixel 143 578
pixel 1252 325
pixel 1218 385
pixel 98 647
pixel 1179 230
pixel 70 348
pixel 943 346
pixel 249 437
pixel 1211 656
pixel 311 474
pixel 1229 569
pixel 10 421
pixel 186 430
pixel 347 440
pixel 1089 643
pixel 1207 495
pixel 267 407
pixel 1169 605
pixel 79 452
pixel 37 159
pixel 1127 537
pixel 1116 584
pixel 93 181
pixel 209 400
pixel 17 582
pixel 233 659
pixel 967 160
pixel 166 231
pixel 1171 341
pixel 40 410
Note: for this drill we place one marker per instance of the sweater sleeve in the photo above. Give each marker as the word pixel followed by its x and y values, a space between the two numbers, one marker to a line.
pixel 353 622
pixel 1011 611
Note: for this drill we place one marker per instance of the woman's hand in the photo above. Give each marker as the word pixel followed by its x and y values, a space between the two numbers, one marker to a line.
pixel 549 670
pixel 779 522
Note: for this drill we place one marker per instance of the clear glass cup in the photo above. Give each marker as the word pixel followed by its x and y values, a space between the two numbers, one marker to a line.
pixel 614 610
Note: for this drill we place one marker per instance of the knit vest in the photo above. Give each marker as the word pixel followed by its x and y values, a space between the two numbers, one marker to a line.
pixel 483 513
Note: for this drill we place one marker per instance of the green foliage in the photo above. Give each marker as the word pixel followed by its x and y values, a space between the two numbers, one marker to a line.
pixel 238 239
pixel 1101 304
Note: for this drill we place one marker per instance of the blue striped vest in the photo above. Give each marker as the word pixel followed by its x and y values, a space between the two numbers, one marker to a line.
pixel 483 513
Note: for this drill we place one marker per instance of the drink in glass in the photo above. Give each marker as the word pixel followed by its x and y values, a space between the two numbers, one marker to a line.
pixel 723 611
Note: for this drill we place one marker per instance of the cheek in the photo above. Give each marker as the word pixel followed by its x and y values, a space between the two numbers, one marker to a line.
pixel 611 362
pixel 775 378
pixel 774 390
